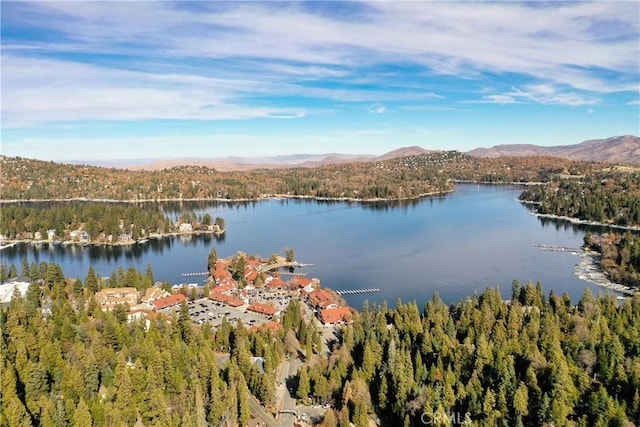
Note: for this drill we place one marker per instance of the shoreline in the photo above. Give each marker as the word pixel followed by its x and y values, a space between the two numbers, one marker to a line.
pixel 260 198
pixel 589 270
pixel 9 243
pixel 579 221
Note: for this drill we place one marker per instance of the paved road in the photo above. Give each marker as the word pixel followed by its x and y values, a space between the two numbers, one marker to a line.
pixel 288 370
pixel 275 266
pixel 258 411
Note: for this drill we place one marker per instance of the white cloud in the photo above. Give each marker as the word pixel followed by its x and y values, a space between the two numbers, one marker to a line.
pixel 538 94
pixel 377 109
pixel 203 60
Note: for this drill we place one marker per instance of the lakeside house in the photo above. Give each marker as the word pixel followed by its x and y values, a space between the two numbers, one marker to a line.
pixel 333 316
pixel 108 298
pixel 321 299
pixel 185 227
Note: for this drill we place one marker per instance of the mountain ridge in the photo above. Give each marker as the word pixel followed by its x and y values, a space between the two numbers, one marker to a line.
pixel 616 149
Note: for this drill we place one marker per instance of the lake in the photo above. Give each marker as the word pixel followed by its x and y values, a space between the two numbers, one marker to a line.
pixel 454 245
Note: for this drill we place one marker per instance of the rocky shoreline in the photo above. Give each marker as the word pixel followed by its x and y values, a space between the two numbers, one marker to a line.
pixel 589 270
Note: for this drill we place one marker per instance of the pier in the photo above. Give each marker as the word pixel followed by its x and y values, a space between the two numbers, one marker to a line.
pixel 359 291
pixel 552 248
pixel 204 273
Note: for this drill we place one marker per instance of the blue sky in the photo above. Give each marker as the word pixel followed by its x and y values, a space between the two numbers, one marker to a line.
pixel 140 80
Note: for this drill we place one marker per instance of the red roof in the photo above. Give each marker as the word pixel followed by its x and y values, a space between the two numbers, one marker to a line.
pixel 169 301
pixel 274 326
pixel 254 263
pixel 322 298
pixel 261 308
pixel 224 286
pixel 335 315
pixel 300 281
pixel 276 282
pixel 226 299
pixel 250 274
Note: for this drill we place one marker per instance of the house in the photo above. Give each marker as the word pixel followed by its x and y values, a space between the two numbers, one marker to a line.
pixel 225 286
pixel 265 309
pixel 276 283
pixel 140 314
pixel 229 300
pixel 250 274
pixel 18 284
pixel 152 294
pixel 110 297
pixel 272 325
pixel 300 282
pixel 51 234
pixel 166 302
pixel 74 235
pixel 332 316
pixel 221 271
pixel 185 227
pixel 321 298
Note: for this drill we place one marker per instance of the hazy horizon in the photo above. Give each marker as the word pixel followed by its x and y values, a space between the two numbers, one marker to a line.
pixel 135 80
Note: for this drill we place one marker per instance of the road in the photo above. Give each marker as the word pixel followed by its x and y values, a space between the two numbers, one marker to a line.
pixel 288 370
pixel 275 266
pixel 258 411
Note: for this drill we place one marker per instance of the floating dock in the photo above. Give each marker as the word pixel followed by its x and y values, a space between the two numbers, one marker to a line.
pixel 204 273
pixel 359 291
pixel 553 248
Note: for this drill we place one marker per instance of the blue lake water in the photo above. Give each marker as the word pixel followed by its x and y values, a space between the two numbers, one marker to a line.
pixel 454 245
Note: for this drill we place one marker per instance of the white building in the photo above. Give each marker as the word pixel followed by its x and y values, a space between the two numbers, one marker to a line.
pixel 7 289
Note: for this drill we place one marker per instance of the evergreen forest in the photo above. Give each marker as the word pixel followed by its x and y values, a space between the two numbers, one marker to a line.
pixel 531 359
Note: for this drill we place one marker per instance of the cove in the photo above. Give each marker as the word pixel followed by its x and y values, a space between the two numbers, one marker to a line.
pixel 455 245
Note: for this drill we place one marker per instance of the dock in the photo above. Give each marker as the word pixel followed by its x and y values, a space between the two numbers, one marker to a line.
pixel 359 291
pixel 204 273
pixel 553 248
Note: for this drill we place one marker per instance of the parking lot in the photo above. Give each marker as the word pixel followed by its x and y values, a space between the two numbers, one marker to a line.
pixel 205 310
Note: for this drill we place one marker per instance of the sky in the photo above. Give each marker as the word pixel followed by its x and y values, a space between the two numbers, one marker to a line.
pixel 148 80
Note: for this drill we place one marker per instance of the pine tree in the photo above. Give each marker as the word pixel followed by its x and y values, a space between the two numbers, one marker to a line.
pixel 82 416
pixel 91 281
pixel 304 386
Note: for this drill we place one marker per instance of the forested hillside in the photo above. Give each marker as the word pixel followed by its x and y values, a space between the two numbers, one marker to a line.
pixel 531 360
pixel 612 197
pixel 400 178
pixel 620 256
pixel 98 220
pixel 66 362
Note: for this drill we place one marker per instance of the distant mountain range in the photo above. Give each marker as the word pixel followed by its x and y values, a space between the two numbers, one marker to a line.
pixel 617 149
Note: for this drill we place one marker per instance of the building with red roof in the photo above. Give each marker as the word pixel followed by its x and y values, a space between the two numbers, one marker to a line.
pixel 261 308
pixel 170 301
pixel 331 316
pixel 321 298
pixel 224 286
pixel 272 325
pixel 229 300
pixel 300 281
pixel 276 283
